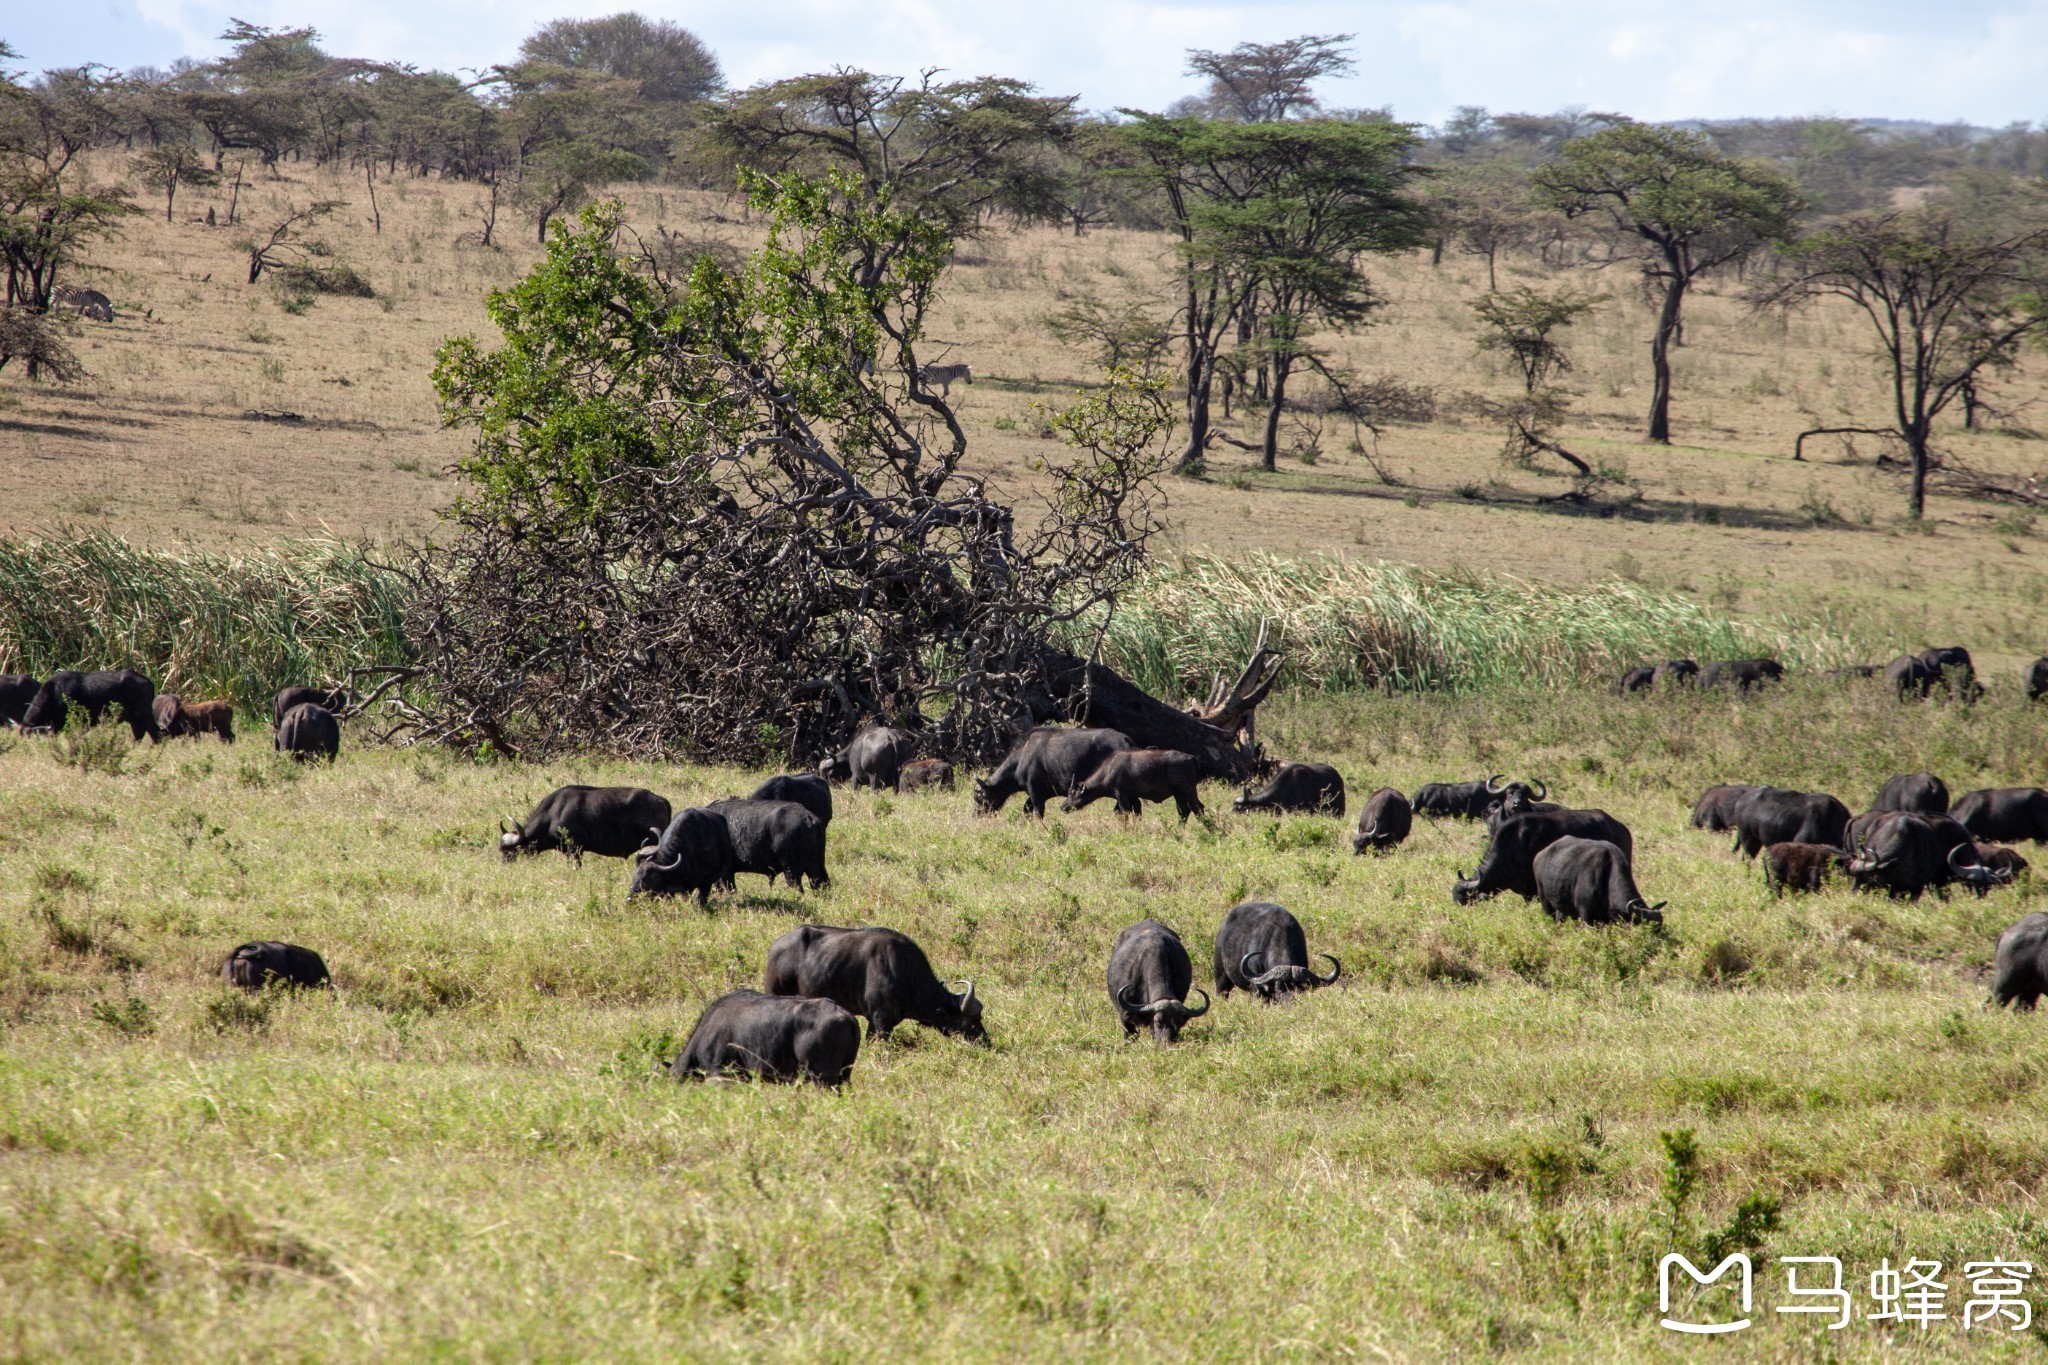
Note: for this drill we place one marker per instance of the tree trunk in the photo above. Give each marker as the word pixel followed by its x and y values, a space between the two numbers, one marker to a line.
pixel 170 196
pixel 1492 283
pixel 1660 360
pixel 1916 494
pixel 1269 452
pixel 1199 373
pixel 1098 696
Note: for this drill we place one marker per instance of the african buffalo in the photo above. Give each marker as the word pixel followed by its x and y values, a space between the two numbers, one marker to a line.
pixel 1715 810
pixel 1149 978
pixel 1773 815
pixel 1905 854
pixel 1743 673
pixel 1384 823
pixel 694 854
pixel 1590 880
pixel 334 699
pixel 1046 763
pixel 1468 800
pixel 17 690
pixel 2021 963
pixel 2003 861
pixel 1910 676
pixel 921 773
pixel 2037 679
pixel 125 688
pixel 255 965
pixel 1133 776
pixel 1260 948
pixel 775 838
pixel 1316 788
pixel 2004 814
pixel 1637 680
pixel 1801 867
pixel 1923 793
pixel 878 974
pixel 177 718
pixel 875 758
pixel 1516 801
pixel 1953 670
pixel 1678 673
pixel 813 793
pixel 309 731
pixel 612 822
pixel 773 1037
pixel 1509 861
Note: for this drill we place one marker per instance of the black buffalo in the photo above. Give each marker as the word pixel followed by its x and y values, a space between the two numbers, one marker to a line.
pixel 334 699
pixel 2004 814
pixel 1905 855
pixel 1922 793
pixel 875 758
pixel 612 822
pixel 1468 800
pixel 1046 763
pixel 878 974
pixel 2021 963
pixel 17 690
pixel 1678 673
pixel 1743 673
pixel 775 839
pixel 308 731
pixel 1773 815
pixel 1801 867
pixel 1591 881
pixel 1910 676
pixel 1954 670
pixel 1384 823
pixel 694 854
pixel 1149 978
pixel 1715 810
pixel 134 694
pixel 814 794
pixel 1637 680
pixel 2004 861
pixel 1509 861
pixel 773 1037
pixel 1516 801
pixel 2037 679
pixel 252 966
pixel 1131 777
pixel 1260 948
pixel 1314 787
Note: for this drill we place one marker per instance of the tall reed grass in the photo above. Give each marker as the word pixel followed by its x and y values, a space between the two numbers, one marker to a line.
pixel 198 623
pixel 1350 624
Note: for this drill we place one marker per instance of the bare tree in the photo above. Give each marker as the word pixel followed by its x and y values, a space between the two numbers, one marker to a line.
pixel 286 241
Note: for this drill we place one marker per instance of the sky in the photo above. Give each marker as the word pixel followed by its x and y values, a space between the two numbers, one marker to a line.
pixel 1979 61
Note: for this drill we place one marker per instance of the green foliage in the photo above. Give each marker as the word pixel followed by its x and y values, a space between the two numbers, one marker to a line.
pixel 229 1010
pixel 90 748
pixel 1523 322
pixel 131 1017
pixel 1669 187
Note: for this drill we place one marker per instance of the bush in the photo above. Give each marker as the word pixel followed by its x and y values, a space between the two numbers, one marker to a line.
pixel 334 278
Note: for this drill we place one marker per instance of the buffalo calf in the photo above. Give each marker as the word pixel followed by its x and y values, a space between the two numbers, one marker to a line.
pixel 252 966
pixel 1790 866
pixel 1316 788
pixel 1133 776
pixel 309 731
pixel 772 1037
pixel 925 773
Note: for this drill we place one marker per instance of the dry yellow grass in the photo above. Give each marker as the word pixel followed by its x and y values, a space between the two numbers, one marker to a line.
pixel 161 443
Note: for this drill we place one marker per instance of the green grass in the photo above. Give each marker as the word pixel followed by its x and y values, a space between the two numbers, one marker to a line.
pixel 463 1151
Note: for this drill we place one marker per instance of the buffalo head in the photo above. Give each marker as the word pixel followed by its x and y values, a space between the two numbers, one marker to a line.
pixel 1168 1016
pixel 1284 979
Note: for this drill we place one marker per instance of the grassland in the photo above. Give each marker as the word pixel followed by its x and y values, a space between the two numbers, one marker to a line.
pixel 463 1152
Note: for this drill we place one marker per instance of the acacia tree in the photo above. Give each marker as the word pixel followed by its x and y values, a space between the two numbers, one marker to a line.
pixel 1267 82
pixel 1948 301
pixel 1524 325
pixel 167 165
pixel 1673 203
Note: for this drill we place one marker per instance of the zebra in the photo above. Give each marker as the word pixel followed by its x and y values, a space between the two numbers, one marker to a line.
pixel 944 376
pixel 89 303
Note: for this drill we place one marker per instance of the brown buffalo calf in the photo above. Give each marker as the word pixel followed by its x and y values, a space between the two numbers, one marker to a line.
pixel 920 773
pixel 1138 775
pixel 175 716
pixel 1801 867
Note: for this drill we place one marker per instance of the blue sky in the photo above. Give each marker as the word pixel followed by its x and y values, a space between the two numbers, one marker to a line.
pixel 1984 61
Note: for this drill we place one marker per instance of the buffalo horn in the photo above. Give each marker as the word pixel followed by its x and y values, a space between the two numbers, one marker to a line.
pixel 1244 966
pixel 1542 790
pixel 967 998
pixel 1336 970
pixel 1196 1014
pixel 1491 780
pixel 1123 997
pixel 502 829
pixel 1372 833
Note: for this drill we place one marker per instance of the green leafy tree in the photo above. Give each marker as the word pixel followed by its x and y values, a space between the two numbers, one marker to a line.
pixel 1268 82
pixel 1525 326
pixel 667 63
pixel 167 166
pixel 1673 203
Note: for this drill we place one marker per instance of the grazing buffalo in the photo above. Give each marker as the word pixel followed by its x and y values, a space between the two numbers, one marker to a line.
pixel 1591 881
pixel 1384 823
pixel 1922 793
pixel 612 822
pixel 1314 787
pixel 1149 979
pixel 2021 964
pixel 1637 680
pixel 923 773
pixel 1715 810
pixel 177 718
pixel 2004 814
pixel 255 965
pixel 814 794
pixel 1954 670
pixel 775 839
pixel 1801 867
pixel 694 854
pixel 1905 854
pixel 309 731
pixel 1910 676
pixel 772 1037
pixel 334 699
pixel 1509 861
pixel 875 758
pixel 134 694
pixel 878 974
pixel 1468 800
pixel 17 690
pixel 2037 679
pixel 1131 777
pixel 2003 861
pixel 1678 673
pixel 1260 948
pixel 1773 815
pixel 1046 763
pixel 1516 801
pixel 1743 673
